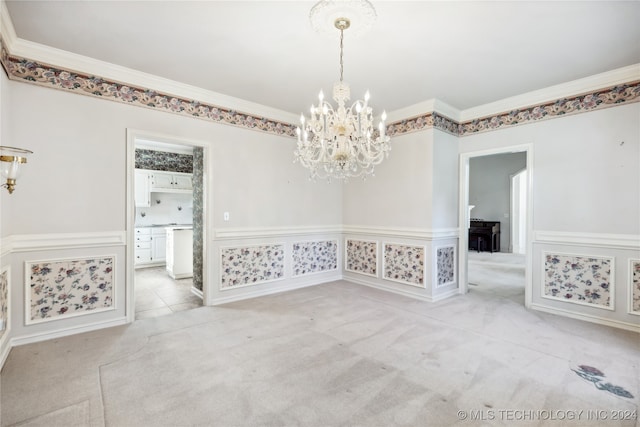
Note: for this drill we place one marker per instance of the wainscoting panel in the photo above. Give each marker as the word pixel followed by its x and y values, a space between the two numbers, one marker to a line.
pixel 361 256
pixel 634 287
pixel 4 302
pixel 446 265
pixel 67 288
pixel 587 276
pixel 242 266
pixel 251 262
pixel 404 264
pixel 62 284
pixel 579 279
pixel 314 257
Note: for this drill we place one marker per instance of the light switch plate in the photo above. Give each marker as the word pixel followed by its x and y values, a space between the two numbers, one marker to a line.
pixel 226 216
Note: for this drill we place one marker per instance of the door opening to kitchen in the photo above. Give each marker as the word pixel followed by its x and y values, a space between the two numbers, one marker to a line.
pixel 167 273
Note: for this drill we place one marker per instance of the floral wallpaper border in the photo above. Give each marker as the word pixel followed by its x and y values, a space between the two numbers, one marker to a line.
pixel 404 264
pixel 4 300
pixel 65 288
pixel 602 98
pixel 634 286
pixel 242 266
pixel 579 279
pixel 316 256
pixel 445 265
pixel 361 256
pixel 424 121
pixel 31 71
pixel 34 72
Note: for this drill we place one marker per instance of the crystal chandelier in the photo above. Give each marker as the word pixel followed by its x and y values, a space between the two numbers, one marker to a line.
pixel 341 142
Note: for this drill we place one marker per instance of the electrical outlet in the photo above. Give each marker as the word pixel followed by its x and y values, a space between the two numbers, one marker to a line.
pixel 226 216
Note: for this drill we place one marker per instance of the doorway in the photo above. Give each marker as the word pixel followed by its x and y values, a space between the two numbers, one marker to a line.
pixel 486 220
pixel 166 227
pixel 519 212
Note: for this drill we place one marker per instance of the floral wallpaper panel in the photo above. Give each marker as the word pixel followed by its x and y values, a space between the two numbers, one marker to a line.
pixel 314 257
pixel 579 279
pixel 635 286
pixel 250 265
pixel 4 301
pixel 361 257
pixel 198 217
pixel 446 265
pixel 163 161
pixel 69 288
pixel 404 264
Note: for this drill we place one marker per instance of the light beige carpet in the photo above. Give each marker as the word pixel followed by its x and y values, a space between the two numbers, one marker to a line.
pixel 337 354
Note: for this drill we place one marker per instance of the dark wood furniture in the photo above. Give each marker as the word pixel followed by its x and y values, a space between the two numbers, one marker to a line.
pixel 484 236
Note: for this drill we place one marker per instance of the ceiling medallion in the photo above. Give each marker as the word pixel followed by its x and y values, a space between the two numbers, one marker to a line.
pixel 341 142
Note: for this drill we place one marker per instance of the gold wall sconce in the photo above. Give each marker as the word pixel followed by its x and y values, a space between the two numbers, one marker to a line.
pixel 11 161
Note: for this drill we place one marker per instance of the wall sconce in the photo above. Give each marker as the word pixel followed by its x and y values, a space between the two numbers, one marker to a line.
pixel 11 159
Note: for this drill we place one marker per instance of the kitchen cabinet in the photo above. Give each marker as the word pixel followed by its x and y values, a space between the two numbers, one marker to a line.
pixel 150 246
pixel 159 244
pixel 142 188
pixel 180 252
pixel 172 181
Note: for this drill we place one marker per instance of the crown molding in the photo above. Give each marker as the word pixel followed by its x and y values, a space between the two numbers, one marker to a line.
pixel 553 93
pixel 429 106
pixel 7 30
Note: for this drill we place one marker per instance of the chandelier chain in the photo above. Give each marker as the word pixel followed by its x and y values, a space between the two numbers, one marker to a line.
pixel 341 54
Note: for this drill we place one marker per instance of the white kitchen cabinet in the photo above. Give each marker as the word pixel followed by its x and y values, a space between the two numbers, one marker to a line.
pixel 142 188
pixel 180 252
pixel 171 181
pixel 159 244
pixel 150 246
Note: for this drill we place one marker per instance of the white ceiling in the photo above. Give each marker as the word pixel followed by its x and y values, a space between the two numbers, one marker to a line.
pixel 463 53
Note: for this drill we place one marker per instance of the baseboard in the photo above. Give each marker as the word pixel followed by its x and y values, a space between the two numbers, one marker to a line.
pixel 43 336
pixel 587 318
pixel 450 293
pixel 381 287
pixel 197 292
pixel 6 348
pixel 276 290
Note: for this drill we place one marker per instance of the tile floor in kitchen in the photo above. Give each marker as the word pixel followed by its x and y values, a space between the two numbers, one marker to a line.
pixel 158 294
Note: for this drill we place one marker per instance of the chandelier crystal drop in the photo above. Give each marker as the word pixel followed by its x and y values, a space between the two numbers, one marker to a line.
pixel 341 142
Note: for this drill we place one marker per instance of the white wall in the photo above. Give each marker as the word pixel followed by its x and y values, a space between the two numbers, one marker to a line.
pixel 444 204
pixel 586 196
pixel 5 125
pixel 76 186
pixel 490 189
pixel 399 195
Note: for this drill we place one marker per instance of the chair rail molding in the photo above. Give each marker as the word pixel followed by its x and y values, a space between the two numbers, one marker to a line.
pixel 411 233
pixel 37 242
pixel 602 240
pixel 266 232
